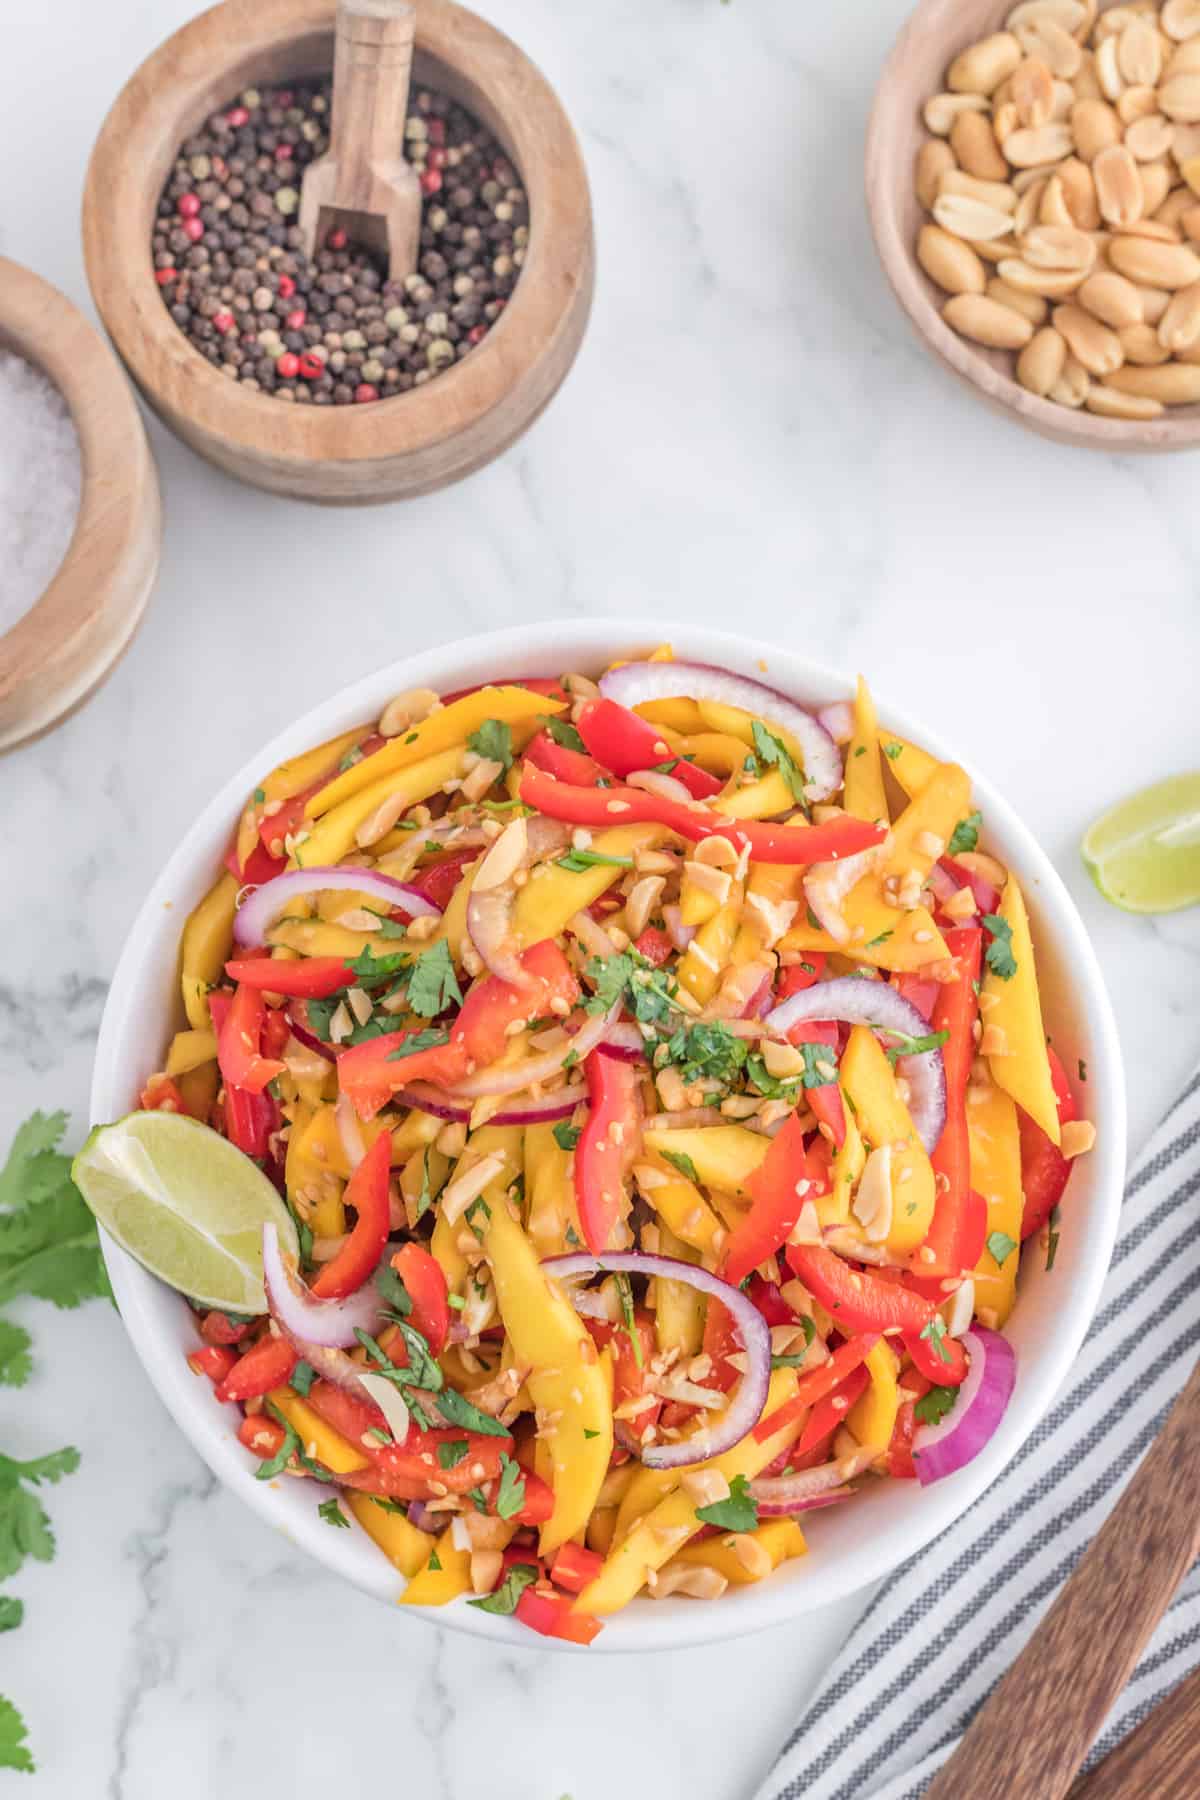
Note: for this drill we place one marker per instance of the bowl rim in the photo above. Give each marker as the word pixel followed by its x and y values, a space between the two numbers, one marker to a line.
pixel 549 647
pixel 87 616
pixel 521 354
pixel 1177 429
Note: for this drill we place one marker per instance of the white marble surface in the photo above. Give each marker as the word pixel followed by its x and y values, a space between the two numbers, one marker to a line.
pixel 750 434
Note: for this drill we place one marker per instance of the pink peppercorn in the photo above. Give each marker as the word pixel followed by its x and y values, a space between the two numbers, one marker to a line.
pixel 237 115
pixel 287 287
pixel 436 131
pixel 477 334
pixel 295 319
pixel 223 322
pixel 311 366
pixel 193 228
pixel 366 390
pixel 336 240
pixel 437 159
pixel 284 152
pixel 163 276
pixel 431 181
pixel 187 205
pixel 287 365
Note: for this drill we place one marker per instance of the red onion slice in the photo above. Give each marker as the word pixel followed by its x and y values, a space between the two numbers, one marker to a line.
pixel 636 683
pixel 514 1078
pixel 425 1098
pixel 838 720
pixel 259 911
pixel 349 1130
pixel 750 1397
pixel 310 1041
pixel 624 1041
pixel 856 1000
pixel 523 843
pixel 654 781
pixel 305 1320
pixel 781 1496
pixel 680 934
pixel 956 1439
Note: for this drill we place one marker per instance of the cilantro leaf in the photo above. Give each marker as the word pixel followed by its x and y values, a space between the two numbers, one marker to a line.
pixel 493 741
pixel 457 1410
pixel 510 1495
pixel 393 1291
pixel 275 1465
pixel 768 1085
pixel 999 956
pixel 679 1159
pixel 564 733
pixel 628 977
pixel 875 942
pixel 820 1065
pixel 420 1040
pixel 566 1135
pixel 450 1455
pixel 504 1599
pixel 935 1333
pixel 611 976
pixel 370 969
pixel 576 861
pixel 14 1751
pixel 1001 1246
pixel 24 1527
pixel 331 1512
pixel 965 835
pixel 433 985
pixel 900 1045
pixel 301 1379
pixel 16 1363
pixel 12 1611
pixel 933 1406
pixel 389 928
pixel 892 751
pixel 435 1563
pixel 707 1052
pixel 49 1247
pixel 738 1512
pixel 774 753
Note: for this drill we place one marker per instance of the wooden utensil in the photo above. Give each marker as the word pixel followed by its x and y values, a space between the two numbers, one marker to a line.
pixel 343 455
pixel 69 640
pixel 1158 1761
pixel 364 184
pixel 1029 1739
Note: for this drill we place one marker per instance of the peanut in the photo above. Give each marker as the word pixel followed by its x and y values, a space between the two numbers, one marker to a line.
pixel 1041 362
pixel 1112 299
pixel 1033 92
pixel 1139 53
pixel 1033 145
pixel 1156 184
pixel 1030 306
pixel 1118 186
pixel 1079 192
pixel 981 68
pixel 1191 223
pixel 973 142
pixel 1181 19
pixel 967 218
pixel 942 110
pixel 1175 384
pixel 1109 403
pixel 1141 346
pixel 935 159
pixel 1090 342
pixel 1073 385
pixel 1179 328
pixel 1179 97
pixel 1094 127
pixel 987 322
pixel 1051 284
pixel 992 193
pixel 1059 247
pixel 1168 266
pixel 948 261
pixel 1149 138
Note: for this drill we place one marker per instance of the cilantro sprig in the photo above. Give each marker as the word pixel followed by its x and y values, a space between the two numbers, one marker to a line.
pixel 493 741
pixel 739 1512
pixel 773 753
pixel 998 955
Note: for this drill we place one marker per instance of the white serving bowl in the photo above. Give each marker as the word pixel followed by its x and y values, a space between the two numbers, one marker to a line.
pixel 849 1546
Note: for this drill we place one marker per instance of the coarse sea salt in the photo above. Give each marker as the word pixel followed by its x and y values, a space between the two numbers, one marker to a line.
pixel 40 480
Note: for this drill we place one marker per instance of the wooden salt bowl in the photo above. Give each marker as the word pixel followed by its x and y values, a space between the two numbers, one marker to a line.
pixel 62 649
pixel 390 449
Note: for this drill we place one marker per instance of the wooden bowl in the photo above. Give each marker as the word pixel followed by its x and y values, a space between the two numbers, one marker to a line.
pixel 916 68
pixel 62 649
pixel 391 449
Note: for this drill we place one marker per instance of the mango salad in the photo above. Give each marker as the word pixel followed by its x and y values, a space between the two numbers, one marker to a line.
pixel 654 1071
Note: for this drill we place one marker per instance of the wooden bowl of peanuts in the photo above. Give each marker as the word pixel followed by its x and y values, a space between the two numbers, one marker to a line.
pixel 1033 181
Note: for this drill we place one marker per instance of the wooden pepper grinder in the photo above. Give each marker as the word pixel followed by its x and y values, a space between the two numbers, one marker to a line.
pixel 364 185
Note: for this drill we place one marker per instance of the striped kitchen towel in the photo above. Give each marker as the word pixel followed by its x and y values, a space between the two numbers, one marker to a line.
pixel 941 1632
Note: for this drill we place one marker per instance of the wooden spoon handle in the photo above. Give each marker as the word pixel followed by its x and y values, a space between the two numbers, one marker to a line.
pixel 1160 1759
pixel 371 69
pixel 1028 1741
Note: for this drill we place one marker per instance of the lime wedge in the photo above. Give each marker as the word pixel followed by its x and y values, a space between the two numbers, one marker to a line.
pixel 187 1204
pixel 1144 854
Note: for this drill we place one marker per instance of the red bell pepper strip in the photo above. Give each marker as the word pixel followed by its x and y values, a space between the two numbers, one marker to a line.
pixel 942 1361
pixel 545 752
pixel 537 1505
pixel 311 978
pixel 919 991
pixel 219 1328
pixel 425 1285
pixel 796 977
pixel 250 1120
pixel 1044 1168
pixel 778 1188
pixel 766 1297
pixel 831 1412
pixel 553 1616
pixel 360 1255
pixel 603 807
pixel 817 1383
pixel 262 1435
pixel 987 897
pixel 626 744
pixel 160 1094
pixel 275 830
pixel 573 1567
pixel 371 1073
pixel 856 1299
pixel 900 1464
pixel 438 880
pixel 607 1144
pixel 267 1365
pixel 259 867
pixel 825 1099
pixel 416 1460
pixel 238 1045
pixel 214 1360
pixel 959 1222
pixel 655 946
